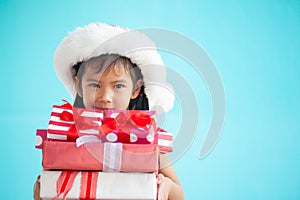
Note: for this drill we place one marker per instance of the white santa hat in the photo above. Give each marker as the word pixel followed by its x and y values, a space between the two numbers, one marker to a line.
pixel 96 39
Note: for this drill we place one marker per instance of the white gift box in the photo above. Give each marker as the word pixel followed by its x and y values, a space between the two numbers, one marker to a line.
pixel 103 185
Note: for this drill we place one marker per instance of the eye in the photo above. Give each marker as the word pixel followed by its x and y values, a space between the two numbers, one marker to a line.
pixel 94 85
pixel 119 86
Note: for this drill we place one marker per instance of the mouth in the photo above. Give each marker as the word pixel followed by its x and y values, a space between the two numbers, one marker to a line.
pixel 102 108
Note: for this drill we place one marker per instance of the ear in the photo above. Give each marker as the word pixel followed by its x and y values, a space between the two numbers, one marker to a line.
pixel 137 89
pixel 78 86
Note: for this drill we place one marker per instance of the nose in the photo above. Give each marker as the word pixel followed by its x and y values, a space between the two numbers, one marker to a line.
pixel 105 95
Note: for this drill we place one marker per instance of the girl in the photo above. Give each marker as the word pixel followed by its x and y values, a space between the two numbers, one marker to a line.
pixel 121 85
pixel 109 67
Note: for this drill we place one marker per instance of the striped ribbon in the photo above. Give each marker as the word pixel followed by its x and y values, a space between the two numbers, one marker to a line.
pixel 112 156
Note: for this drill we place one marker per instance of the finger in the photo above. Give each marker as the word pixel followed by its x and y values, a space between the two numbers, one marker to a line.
pixel 160 178
pixel 158 181
pixel 161 175
pixel 162 192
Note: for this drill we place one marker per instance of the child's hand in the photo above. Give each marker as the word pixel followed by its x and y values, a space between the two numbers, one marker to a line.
pixel 164 188
pixel 36 189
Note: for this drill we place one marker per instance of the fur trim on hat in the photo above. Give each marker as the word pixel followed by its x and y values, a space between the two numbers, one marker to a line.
pixel 96 39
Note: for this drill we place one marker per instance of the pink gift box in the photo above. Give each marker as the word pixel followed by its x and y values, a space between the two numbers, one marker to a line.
pixel 98 185
pixel 100 156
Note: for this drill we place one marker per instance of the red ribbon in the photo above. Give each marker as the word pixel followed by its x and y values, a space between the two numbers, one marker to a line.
pixel 88 184
pixel 66 116
pixel 67 105
pixel 65 183
pixel 72 134
pixel 83 122
pixel 126 122
pixel 109 125
pixel 140 118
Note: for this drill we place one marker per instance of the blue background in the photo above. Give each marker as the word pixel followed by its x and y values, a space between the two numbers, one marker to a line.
pixel 255 46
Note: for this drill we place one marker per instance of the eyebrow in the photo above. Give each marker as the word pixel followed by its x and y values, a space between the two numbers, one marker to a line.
pixel 116 81
pixel 92 80
pixel 120 81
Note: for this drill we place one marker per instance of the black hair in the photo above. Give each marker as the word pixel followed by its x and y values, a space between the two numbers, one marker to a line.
pixel 106 61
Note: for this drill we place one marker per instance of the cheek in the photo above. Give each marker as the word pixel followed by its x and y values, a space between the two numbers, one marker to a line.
pixel 122 98
pixel 126 94
pixel 88 98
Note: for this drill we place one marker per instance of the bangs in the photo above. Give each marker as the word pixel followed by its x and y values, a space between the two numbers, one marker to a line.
pixel 120 66
pixel 104 63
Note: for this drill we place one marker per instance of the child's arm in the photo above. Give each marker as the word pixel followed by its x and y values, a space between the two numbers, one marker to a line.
pixel 169 185
pixel 36 189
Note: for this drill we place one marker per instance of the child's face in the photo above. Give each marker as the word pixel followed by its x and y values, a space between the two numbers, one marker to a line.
pixel 108 90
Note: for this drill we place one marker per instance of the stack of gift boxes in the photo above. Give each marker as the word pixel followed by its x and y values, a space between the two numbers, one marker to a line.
pixel 89 154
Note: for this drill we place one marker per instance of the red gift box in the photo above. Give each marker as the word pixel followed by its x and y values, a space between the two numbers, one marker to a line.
pixel 62 125
pixel 101 156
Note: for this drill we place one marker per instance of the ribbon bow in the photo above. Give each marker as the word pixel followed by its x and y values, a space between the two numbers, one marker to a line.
pixel 128 126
